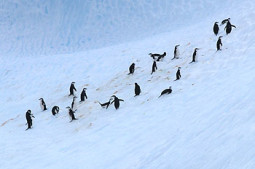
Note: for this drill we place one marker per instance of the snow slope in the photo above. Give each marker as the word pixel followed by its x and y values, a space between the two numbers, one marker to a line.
pixel 31 28
pixel 207 122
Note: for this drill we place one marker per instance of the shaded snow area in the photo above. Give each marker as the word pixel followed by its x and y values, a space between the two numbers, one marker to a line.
pixel 207 122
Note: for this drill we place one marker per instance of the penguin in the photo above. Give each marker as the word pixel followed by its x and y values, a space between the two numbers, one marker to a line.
pixel 74 105
pixel 71 113
pixel 219 44
pixel 83 95
pixel 132 68
pixel 72 89
pixel 228 27
pixel 116 101
pixel 105 105
pixel 137 90
pixel 154 67
pixel 166 91
pixel 194 55
pixel 42 104
pixel 216 28
pixel 225 21
pixel 29 116
pixel 176 52
pixel 178 73
pixel 55 110
pixel 161 56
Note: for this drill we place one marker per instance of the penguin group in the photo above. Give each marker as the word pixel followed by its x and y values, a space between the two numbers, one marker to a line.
pixel 137 89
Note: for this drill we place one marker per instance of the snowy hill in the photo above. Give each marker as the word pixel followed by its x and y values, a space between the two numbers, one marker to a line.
pixel 207 122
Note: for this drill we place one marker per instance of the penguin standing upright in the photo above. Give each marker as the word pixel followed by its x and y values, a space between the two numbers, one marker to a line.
pixel 42 104
pixel 178 73
pixel 219 44
pixel 55 110
pixel 137 89
pixel 194 55
pixel 74 105
pixel 176 52
pixel 166 91
pixel 71 113
pixel 216 28
pixel 132 68
pixel 72 89
pixel 83 95
pixel 116 101
pixel 228 27
pixel 29 116
pixel 154 67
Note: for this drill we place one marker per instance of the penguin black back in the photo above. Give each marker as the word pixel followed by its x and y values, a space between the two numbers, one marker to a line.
pixel 137 89
pixel 132 68
pixel 178 73
pixel 42 104
pixel 83 95
pixel 116 102
pixel 72 89
pixel 216 28
pixel 166 91
pixel 219 43
pixel 154 67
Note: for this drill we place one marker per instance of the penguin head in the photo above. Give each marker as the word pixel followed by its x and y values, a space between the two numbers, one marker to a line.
pixel 68 107
pixel 216 22
pixel 136 84
pixel 41 99
pixel 196 49
pixel 72 82
pixel 113 96
pixel 85 88
pixel 179 68
pixel 29 111
pixel 177 46
pixel 164 53
pixel 170 87
pixel 220 37
pixel 74 97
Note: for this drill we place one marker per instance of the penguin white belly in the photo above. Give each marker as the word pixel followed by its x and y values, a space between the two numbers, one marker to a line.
pixel 41 105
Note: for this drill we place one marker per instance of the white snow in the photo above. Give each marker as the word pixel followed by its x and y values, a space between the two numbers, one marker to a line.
pixel 207 122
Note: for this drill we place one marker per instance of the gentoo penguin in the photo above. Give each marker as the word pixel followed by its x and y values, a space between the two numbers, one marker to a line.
pixel 178 73
pixel 194 55
pixel 71 113
pixel 106 105
pixel 132 68
pixel 116 101
pixel 216 28
pixel 166 91
pixel 72 89
pixel 228 27
pixel 83 95
pixel 55 110
pixel 154 67
pixel 42 104
pixel 137 89
pixel 74 105
pixel 176 52
pixel 225 21
pixel 219 44
pixel 29 116
pixel 161 56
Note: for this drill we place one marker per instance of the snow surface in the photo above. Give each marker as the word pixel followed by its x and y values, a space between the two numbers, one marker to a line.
pixel 207 122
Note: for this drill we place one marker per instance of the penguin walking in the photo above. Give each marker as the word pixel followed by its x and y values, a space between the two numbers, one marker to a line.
pixel 137 90
pixel 74 105
pixel 219 43
pixel 55 110
pixel 178 73
pixel 166 91
pixel 116 101
pixel 194 55
pixel 228 27
pixel 161 56
pixel 72 89
pixel 83 95
pixel 132 68
pixel 42 104
pixel 216 28
pixel 71 113
pixel 176 52
pixel 154 67
pixel 224 21
pixel 29 116
pixel 105 105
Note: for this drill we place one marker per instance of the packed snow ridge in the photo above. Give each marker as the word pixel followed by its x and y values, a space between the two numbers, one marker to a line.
pixel 206 122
